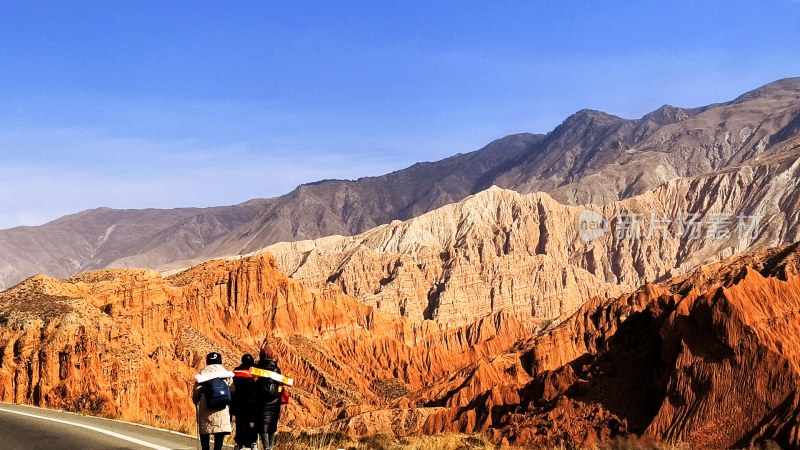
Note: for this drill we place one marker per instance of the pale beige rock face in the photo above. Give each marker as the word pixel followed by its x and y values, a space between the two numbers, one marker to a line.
pixel 464 261
pixel 501 250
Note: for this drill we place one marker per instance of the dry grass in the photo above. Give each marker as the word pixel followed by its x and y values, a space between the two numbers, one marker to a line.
pixel 449 441
pixel 640 443
pixel 647 443
pixel 334 441
pixel 181 426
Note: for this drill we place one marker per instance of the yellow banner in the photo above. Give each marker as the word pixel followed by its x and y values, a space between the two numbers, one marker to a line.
pixel 255 371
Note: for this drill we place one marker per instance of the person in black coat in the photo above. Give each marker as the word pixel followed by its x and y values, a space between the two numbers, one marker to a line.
pixel 243 405
pixel 268 399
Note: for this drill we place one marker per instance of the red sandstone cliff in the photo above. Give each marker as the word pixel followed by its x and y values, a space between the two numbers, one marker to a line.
pixel 710 358
pixel 126 342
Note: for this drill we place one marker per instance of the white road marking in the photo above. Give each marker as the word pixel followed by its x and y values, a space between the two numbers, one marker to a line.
pixel 95 429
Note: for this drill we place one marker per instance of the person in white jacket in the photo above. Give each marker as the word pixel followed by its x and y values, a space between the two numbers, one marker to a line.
pixel 212 421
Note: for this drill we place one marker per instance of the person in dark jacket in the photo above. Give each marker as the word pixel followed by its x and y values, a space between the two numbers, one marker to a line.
pixel 243 406
pixel 268 397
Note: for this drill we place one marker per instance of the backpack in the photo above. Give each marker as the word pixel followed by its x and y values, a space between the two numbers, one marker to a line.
pixel 285 396
pixel 218 396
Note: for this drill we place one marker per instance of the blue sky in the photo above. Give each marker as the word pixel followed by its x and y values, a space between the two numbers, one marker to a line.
pixel 168 104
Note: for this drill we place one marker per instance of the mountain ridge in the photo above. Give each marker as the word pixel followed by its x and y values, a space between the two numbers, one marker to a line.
pixel 592 157
pixel 499 249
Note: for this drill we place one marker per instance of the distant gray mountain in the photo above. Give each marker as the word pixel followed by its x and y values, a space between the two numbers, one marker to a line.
pixel 592 157
pixel 102 238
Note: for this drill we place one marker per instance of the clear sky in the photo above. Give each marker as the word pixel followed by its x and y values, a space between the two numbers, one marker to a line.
pixel 137 104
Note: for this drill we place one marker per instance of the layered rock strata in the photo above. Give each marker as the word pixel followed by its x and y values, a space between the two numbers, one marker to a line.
pixel 538 259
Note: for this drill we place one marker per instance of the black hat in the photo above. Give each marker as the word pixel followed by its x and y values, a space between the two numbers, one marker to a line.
pixel 247 359
pixel 213 358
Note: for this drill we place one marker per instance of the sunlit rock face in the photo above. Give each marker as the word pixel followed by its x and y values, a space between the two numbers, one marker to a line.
pixel 126 343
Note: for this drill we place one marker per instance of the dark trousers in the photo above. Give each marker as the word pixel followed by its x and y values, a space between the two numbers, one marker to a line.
pixel 218 439
pixel 246 433
pixel 268 440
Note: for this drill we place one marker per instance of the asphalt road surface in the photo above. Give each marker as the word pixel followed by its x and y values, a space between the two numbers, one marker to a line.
pixel 30 428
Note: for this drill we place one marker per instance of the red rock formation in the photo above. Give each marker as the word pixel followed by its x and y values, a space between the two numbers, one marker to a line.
pixel 711 359
pixel 127 342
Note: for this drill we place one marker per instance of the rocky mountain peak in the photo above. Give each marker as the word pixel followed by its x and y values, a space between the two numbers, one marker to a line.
pixel 782 87
pixel 667 114
pixel 587 118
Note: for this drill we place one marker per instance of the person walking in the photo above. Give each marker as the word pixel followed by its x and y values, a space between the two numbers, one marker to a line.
pixel 268 397
pixel 243 406
pixel 212 394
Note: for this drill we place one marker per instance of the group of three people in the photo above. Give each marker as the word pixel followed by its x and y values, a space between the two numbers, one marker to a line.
pixel 255 403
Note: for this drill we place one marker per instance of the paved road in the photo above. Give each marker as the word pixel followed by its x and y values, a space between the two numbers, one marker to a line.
pixel 29 428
